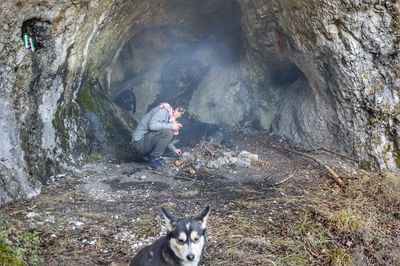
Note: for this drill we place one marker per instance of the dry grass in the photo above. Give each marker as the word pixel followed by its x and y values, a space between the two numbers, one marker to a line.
pixel 326 226
pixel 145 227
pixel 390 188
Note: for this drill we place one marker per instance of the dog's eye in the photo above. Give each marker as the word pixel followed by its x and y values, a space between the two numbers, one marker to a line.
pixel 181 241
pixel 196 239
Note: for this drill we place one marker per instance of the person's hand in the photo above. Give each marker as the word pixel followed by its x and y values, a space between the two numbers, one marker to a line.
pixel 178 152
pixel 176 125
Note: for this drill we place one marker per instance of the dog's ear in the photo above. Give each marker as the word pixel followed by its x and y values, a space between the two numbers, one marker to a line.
pixel 169 219
pixel 202 217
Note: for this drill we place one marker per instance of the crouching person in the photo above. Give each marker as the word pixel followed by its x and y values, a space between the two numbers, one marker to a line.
pixel 155 132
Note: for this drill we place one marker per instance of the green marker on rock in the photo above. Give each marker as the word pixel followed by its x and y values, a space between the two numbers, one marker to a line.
pixel 26 41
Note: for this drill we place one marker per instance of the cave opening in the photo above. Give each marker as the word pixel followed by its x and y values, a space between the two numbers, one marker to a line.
pixel 204 59
pixel 170 62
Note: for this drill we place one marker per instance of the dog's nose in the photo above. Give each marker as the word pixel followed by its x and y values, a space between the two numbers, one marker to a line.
pixel 190 257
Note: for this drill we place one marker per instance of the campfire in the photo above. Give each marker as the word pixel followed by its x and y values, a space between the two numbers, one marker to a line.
pixel 209 154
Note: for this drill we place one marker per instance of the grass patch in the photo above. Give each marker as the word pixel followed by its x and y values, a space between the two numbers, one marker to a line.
pixel 145 227
pixel 94 158
pixel 339 257
pixel 317 244
pixel 346 221
pixel 293 260
pixel 309 232
pixel 391 189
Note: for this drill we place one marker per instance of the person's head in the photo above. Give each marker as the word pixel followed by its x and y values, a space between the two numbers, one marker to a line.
pixel 178 111
pixel 178 107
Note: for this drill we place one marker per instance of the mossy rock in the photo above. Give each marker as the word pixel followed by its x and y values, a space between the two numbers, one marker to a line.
pixel 365 165
pixel 86 99
pixel 397 160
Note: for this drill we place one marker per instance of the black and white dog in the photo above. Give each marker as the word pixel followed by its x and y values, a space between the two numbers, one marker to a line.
pixel 182 246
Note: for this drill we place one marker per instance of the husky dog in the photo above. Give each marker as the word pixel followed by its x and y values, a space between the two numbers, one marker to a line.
pixel 182 246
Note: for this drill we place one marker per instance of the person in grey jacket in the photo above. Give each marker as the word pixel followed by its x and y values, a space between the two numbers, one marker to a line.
pixel 155 132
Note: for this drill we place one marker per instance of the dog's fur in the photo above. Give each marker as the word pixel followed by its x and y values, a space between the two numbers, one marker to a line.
pixel 182 246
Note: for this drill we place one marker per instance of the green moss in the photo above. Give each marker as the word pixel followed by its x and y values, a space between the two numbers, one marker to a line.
pixel 86 99
pixel 65 112
pixel 365 165
pixel 8 255
pixel 397 160
pixel 23 252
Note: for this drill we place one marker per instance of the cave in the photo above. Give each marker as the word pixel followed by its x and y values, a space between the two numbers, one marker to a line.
pixel 314 75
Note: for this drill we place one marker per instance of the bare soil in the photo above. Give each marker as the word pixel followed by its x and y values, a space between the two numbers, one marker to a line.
pixel 283 210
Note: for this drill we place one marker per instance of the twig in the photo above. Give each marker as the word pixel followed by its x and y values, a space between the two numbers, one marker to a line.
pixel 287 178
pixel 334 153
pixel 385 235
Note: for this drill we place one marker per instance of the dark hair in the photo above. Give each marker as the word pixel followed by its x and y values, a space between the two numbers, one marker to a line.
pixel 176 103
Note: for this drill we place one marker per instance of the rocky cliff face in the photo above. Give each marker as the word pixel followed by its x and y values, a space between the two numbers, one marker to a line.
pixel 323 74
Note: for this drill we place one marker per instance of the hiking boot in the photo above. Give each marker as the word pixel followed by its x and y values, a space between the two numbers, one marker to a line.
pixel 156 162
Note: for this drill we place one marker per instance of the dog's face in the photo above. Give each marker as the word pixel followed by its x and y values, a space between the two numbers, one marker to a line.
pixel 187 236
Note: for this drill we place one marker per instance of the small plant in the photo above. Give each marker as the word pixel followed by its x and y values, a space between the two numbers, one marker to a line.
pixel 29 245
pixel 24 252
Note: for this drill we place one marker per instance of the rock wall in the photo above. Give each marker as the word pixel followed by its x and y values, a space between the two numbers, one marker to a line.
pixel 323 74
pixel 36 85
pixel 349 54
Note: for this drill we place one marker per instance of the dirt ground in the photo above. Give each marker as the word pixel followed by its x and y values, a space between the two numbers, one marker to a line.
pixel 285 209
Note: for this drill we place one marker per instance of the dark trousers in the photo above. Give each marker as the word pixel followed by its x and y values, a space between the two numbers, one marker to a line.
pixel 154 142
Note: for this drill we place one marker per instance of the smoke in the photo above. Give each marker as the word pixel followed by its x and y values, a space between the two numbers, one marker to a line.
pixel 174 58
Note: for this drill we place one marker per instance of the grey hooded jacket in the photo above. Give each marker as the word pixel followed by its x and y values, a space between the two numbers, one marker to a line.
pixel 154 120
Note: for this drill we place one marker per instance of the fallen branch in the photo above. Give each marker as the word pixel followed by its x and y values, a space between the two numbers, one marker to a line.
pixel 335 176
pixel 332 173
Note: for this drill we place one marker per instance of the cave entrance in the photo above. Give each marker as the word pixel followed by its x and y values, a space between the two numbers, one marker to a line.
pixel 204 57
pixel 182 61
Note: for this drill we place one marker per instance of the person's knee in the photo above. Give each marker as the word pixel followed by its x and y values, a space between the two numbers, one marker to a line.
pixel 166 133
